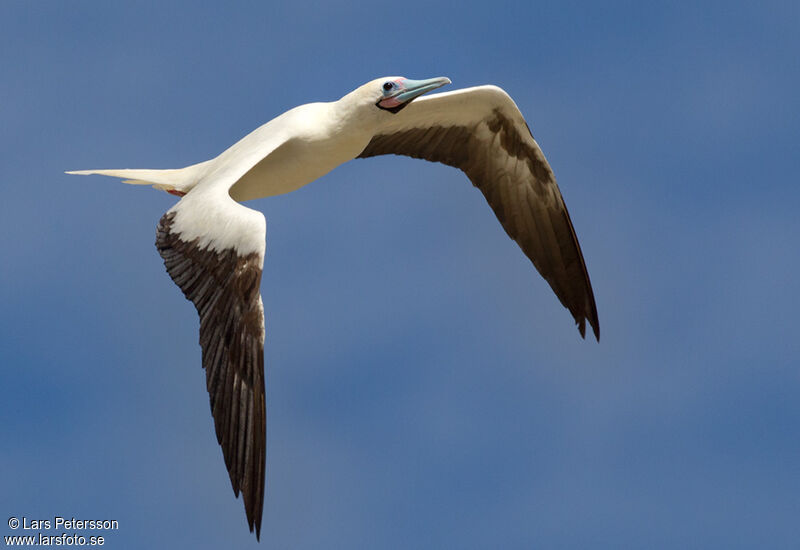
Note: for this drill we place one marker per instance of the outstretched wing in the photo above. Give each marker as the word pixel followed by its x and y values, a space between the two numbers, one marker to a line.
pixel 213 248
pixel 481 131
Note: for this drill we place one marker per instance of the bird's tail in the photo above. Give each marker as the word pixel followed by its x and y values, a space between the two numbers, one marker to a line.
pixel 177 181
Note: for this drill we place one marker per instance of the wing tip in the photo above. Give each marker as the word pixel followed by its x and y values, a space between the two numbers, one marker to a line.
pixel 595 324
pixel 255 526
pixel 596 329
pixel 254 517
pixel 593 320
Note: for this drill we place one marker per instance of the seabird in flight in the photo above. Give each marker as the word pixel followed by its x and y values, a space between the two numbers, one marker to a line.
pixel 213 246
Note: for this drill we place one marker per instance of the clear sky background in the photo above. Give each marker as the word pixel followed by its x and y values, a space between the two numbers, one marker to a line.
pixel 425 389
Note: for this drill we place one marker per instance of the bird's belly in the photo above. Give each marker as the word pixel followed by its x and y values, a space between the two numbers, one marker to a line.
pixel 290 167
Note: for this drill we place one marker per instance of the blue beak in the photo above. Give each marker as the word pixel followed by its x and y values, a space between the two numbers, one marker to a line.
pixel 415 88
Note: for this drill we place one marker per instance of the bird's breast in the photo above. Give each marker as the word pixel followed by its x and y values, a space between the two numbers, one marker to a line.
pixel 296 163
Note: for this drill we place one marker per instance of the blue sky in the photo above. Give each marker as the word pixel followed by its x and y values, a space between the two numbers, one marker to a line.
pixel 425 388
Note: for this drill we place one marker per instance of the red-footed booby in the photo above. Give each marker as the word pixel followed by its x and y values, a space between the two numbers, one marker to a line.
pixel 213 247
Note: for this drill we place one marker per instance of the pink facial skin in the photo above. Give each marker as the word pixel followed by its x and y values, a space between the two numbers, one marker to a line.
pixel 390 102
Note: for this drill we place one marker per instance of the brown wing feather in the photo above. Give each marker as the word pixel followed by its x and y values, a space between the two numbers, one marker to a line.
pixel 224 288
pixel 514 176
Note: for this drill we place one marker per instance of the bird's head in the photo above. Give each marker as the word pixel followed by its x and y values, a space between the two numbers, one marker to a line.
pixel 392 93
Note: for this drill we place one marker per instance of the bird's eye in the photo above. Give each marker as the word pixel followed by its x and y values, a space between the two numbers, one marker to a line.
pixel 388 86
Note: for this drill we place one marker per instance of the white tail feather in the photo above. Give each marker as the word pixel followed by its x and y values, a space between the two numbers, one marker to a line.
pixel 180 179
